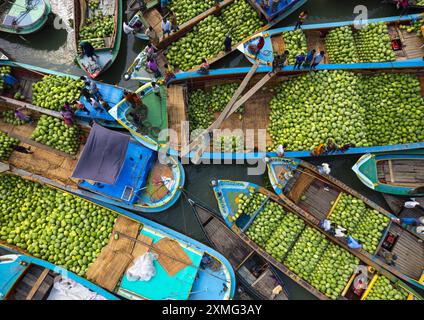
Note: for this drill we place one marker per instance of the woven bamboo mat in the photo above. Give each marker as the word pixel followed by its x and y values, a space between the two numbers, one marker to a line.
pixel 172 248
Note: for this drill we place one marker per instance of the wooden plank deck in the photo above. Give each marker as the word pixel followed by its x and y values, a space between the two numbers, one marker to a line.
pixel 401 172
pixel 412 44
pixel 409 251
pixel 278 44
pixel 265 282
pixel 44 161
pixel 318 201
pixel 316 40
pixel 154 19
pixel 177 112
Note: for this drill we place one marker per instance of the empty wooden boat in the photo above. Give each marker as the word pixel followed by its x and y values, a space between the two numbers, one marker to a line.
pixel 282 235
pixel 253 272
pixel 319 195
pixel 395 174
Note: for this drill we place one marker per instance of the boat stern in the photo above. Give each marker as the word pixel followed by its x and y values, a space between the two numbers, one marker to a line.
pixel 280 170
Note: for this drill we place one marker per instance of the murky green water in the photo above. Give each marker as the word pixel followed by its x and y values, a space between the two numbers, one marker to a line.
pixel 48 48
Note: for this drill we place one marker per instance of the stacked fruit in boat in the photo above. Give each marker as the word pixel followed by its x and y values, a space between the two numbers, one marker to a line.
pixel 295 43
pixel 96 29
pixel 383 289
pixel 362 223
pixel 238 19
pixel 333 271
pixel 53 91
pixel 284 235
pixel 54 226
pixel 228 143
pixel 307 252
pixel 186 10
pixel 340 45
pixel 249 203
pixel 373 43
pixel 53 132
pixel 265 223
pixel 7 144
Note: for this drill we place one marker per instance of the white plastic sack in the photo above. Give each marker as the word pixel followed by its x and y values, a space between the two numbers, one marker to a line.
pixel 143 268
pixel 67 289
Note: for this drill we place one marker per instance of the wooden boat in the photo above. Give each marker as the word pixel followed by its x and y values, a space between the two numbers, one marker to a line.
pixel 228 195
pixel 153 18
pixel 136 179
pixel 108 54
pixel 317 196
pixel 24 17
pixel 409 49
pixel 185 269
pixel 28 278
pixel 27 75
pixel 395 174
pixel 175 108
pixel 255 274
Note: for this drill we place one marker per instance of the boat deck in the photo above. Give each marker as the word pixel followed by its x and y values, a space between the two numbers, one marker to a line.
pixel 45 161
pixel 14 15
pixel 411 44
pixel 401 172
pixel 252 268
pixel 177 112
pixel 409 251
pixel 316 39
pixel 35 284
pixel 319 198
pixel 154 19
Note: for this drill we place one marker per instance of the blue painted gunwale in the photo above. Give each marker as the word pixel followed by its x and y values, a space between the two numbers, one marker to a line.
pixel 103 118
pixel 270 33
pixel 243 187
pixel 207 156
pixel 8 280
pixel 282 7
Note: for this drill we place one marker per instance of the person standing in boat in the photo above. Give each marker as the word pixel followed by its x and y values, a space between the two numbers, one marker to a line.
pixel 88 50
pixel 19 114
pixel 302 17
pixel 300 59
pixel 169 73
pixel 156 90
pixel 166 27
pixel 153 66
pixel 309 58
pixel 318 150
pixel 67 114
pixel 280 151
pixel 127 29
pixel 331 146
pixel 174 24
pixel 80 106
pixel 324 168
pixel 150 51
pixel 151 33
pixel 227 43
pixel 204 67
pixel 317 60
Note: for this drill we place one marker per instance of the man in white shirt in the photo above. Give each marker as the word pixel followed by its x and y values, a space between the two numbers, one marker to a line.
pixel 411 204
pixel 166 27
pixel 128 29
pixel 324 168
pixel 280 151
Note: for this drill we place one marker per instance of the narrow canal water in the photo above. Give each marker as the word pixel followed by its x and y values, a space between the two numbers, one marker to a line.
pixel 49 48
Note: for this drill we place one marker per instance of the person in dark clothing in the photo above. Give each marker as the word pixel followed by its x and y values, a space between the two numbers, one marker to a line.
pixel 260 45
pixel 331 146
pixel 23 149
pixel 346 147
pixel 309 58
pixel 276 63
pixel 85 93
pixel 227 43
pixel 174 24
pixel 300 59
pixel 88 50
pixel 137 119
pixel 303 15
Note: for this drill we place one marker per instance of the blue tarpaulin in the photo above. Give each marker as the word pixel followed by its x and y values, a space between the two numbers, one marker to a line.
pixel 103 155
